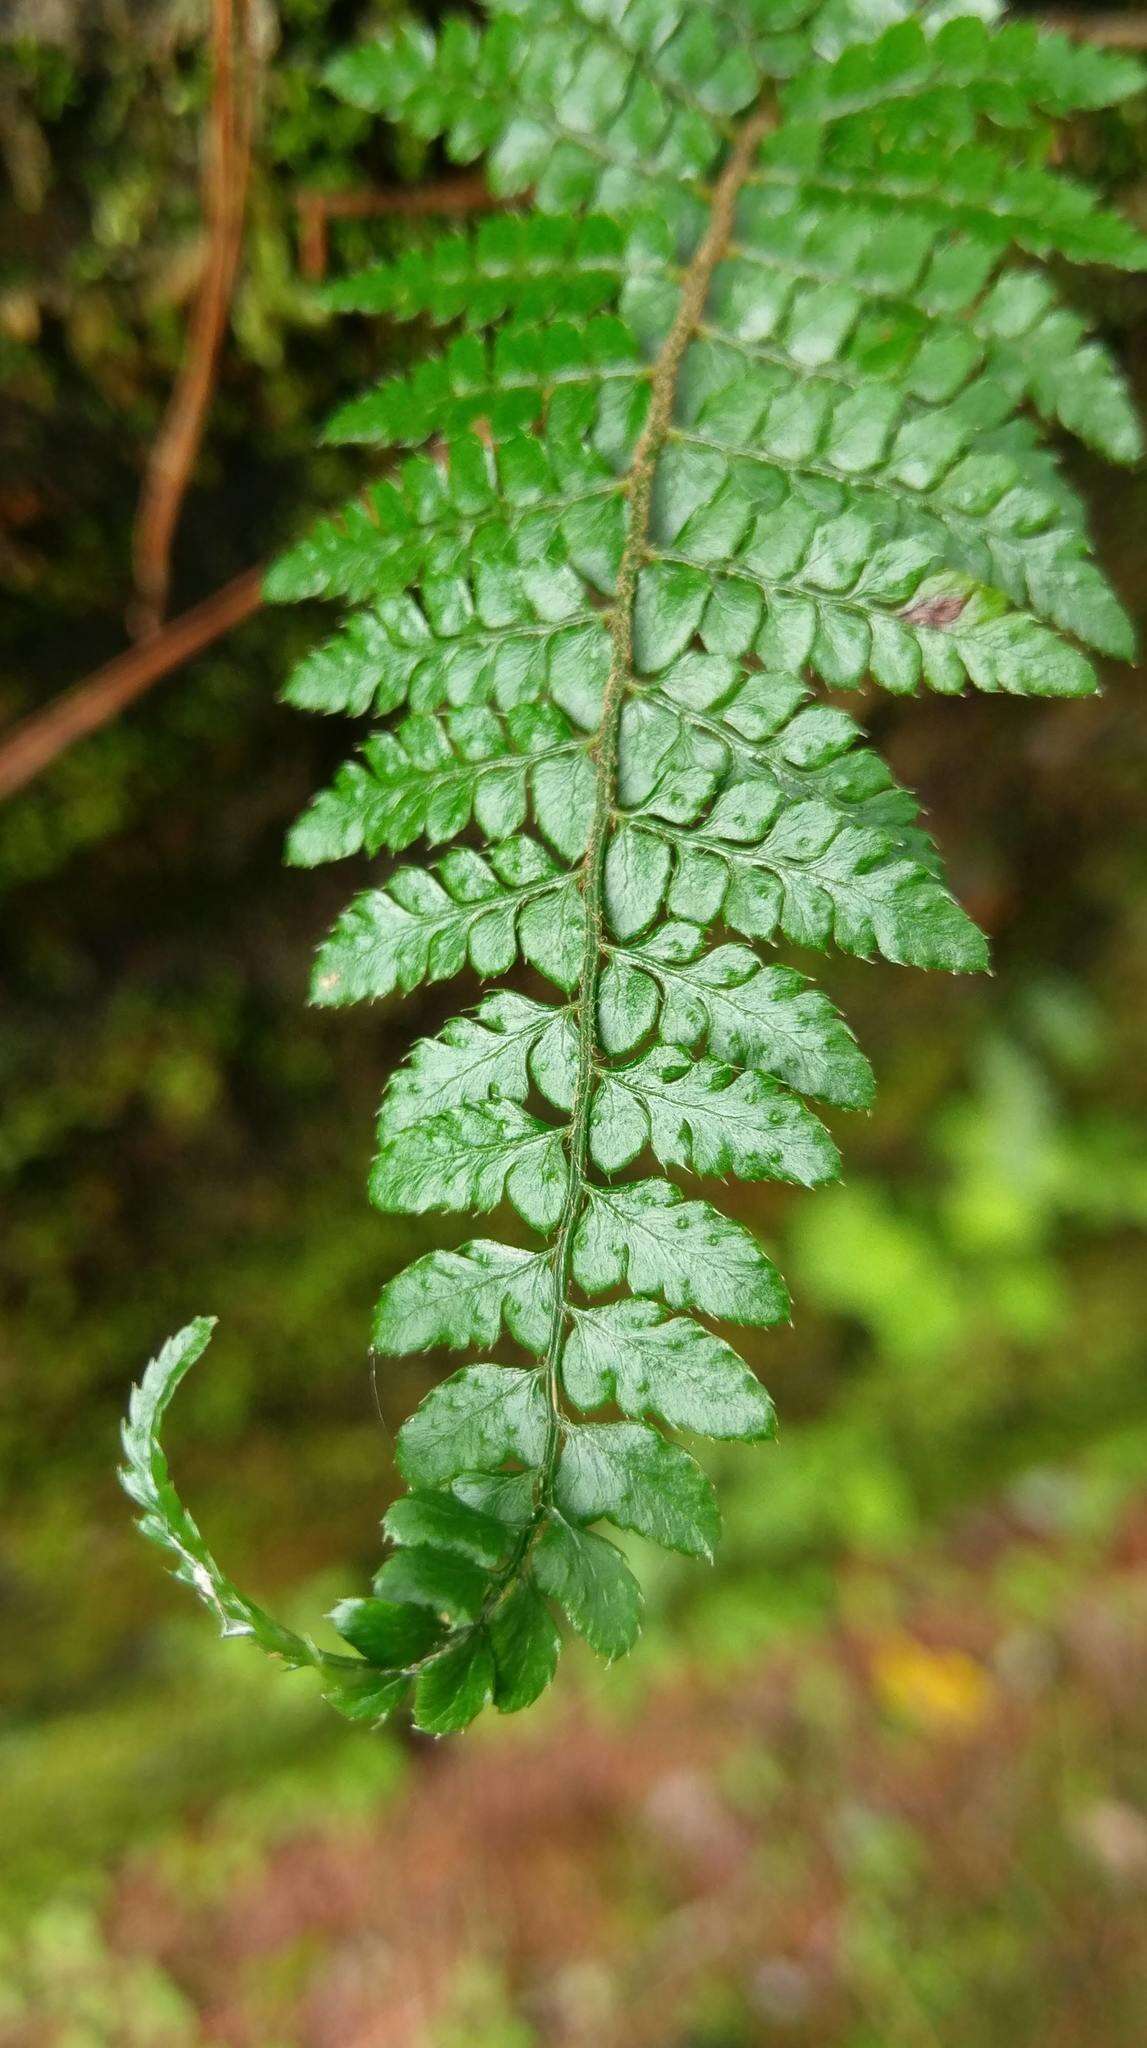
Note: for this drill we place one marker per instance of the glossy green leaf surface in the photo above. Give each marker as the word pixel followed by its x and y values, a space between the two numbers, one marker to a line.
pixel 525 1644
pixel 592 1584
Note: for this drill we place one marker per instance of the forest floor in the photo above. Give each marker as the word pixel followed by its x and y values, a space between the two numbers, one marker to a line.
pixel 918 1825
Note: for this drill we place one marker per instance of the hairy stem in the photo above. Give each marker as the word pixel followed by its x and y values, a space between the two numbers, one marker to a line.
pixel 639 485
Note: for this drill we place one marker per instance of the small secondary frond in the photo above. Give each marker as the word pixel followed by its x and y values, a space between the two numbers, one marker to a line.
pixel 745 396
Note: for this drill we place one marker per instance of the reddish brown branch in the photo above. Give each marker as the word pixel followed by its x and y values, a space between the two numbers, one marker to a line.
pixel 36 742
pixel 467 193
pixel 173 456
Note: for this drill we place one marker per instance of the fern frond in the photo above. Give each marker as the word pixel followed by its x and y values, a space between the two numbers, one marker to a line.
pixel 533 266
pixel 746 398
pixel 503 383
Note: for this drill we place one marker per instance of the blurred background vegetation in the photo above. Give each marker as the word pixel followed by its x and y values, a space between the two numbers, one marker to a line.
pixel 878 1781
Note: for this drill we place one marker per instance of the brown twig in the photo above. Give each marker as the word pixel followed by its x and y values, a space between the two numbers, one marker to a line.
pixel 38 740
pixel 172 459
pixel 466 193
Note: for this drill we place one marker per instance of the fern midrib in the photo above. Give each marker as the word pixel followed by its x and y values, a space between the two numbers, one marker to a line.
pixel 639 485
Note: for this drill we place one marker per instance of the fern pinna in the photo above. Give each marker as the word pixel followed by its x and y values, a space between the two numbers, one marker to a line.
pixel 745 395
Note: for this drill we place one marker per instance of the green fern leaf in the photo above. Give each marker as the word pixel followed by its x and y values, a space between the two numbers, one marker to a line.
pixel 745 398
pixel 475 1421
pixel 445 1523
pixel 525 1645
pixel 591 1583
pixel 455 1684
pixel 684 1253
pixel 449 1585
pixel 630 1353
pixel 461 1299
pixel 385 1633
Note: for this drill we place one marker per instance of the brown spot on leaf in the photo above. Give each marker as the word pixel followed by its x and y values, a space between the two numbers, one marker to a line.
pixel 935 611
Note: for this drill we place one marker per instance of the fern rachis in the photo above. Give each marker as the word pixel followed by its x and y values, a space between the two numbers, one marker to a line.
pixel 776 435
